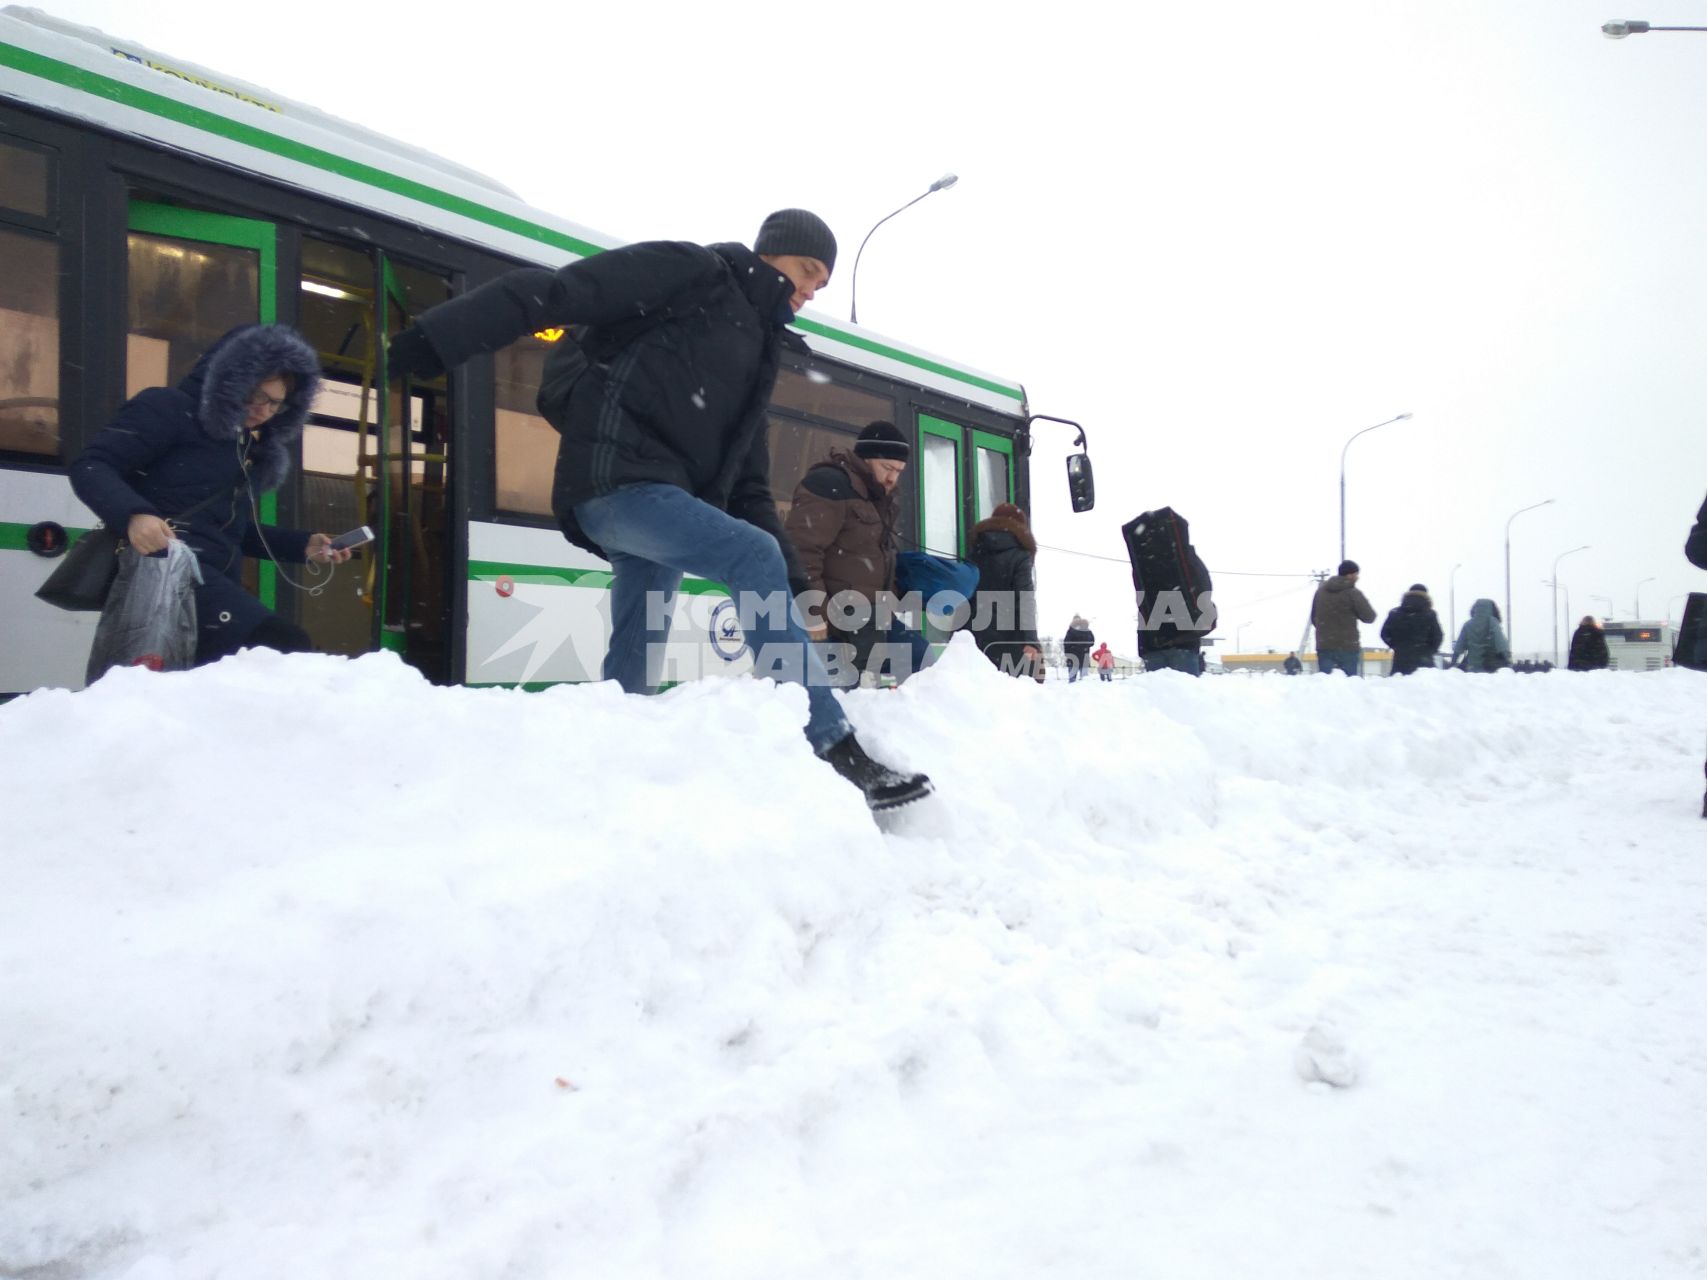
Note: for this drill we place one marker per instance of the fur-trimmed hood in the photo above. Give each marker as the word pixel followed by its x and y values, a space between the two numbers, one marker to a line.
pixel 1417 600
pixel 227 375
pixel 1014 526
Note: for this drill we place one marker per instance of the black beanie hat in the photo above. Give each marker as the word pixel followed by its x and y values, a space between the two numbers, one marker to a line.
pixel 1348 566
pixel 795 231
pixel 1417 586
pixel 882 440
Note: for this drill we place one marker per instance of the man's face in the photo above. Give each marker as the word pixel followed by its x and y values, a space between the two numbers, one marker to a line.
pixel 807 275
pixel 888 472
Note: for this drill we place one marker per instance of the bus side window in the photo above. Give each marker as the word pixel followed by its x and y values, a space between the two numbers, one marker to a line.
pixel 526 444
pixel 29 302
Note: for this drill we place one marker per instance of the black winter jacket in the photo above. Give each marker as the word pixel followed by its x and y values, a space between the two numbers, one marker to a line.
pixel 1413 633
pixel 1696 547
pixel 170 448
pixel 682 402
pixel 1006 556
pixel 1588 649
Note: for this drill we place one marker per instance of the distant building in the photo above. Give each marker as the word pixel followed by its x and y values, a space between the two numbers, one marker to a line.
pixel 1376 662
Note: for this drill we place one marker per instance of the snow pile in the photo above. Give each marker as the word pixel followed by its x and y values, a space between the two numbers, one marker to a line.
pixel 310 969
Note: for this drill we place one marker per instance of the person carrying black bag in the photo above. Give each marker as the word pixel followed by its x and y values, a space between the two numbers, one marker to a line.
pixel 190 462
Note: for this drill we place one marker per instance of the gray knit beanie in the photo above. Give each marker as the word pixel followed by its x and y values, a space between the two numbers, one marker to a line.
pixel 795 231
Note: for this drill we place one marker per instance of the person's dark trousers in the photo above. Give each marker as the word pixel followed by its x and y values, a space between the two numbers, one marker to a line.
pixel 1349 661
pixel 1103 673
pixel 1173 660
pixel 652 534
pixel 898 652
pixel 1075 667
pixel 270 633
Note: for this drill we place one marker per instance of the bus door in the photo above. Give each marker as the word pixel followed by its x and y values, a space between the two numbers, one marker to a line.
pixel 942 500
pixel 963 473
pixel 369 459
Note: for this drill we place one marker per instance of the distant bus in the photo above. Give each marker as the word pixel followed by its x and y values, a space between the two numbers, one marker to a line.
pixel 147 206
pixel 1638 646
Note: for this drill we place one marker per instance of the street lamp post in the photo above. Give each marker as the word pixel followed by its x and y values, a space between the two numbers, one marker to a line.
pixel 1452 604
pixel 1510 629
pixel 1556 560
pixel 1637 615
pixel 1399 418
pixel 1630 27
pixel 1239 637
pixel 1609 607
pixel 941 184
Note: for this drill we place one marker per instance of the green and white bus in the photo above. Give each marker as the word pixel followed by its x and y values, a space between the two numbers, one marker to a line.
pixel 147 206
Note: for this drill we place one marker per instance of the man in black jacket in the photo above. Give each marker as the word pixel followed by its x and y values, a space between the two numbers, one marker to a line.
pixel 663 466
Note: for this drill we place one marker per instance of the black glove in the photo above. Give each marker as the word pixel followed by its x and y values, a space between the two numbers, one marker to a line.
pixel 411 356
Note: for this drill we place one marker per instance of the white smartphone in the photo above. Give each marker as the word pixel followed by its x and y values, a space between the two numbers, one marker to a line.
pixel 354 538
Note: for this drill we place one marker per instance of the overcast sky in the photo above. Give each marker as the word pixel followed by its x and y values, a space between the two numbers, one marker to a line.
pixel 1223 243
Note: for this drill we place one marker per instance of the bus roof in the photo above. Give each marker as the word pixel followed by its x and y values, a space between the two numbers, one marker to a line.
pixel 119 85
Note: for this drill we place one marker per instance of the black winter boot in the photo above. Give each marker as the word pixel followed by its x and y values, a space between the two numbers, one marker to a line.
pixel 883 787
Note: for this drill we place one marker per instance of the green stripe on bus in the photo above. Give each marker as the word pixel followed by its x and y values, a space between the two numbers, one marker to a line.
pixel 918 362
pixel 555 575
pixel 127 95
pixel 15 537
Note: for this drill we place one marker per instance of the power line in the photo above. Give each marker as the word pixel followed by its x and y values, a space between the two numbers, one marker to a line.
pixel 1219 573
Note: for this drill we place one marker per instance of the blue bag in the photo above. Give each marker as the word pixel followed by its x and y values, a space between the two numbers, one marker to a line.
pixel 945 585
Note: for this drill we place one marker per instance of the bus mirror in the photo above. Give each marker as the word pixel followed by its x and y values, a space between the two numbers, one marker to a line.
pixel 1081 484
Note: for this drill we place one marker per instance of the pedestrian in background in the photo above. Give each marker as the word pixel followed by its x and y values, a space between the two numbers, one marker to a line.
pixel 1335 612
pixel 1412 631
pixel 1588 648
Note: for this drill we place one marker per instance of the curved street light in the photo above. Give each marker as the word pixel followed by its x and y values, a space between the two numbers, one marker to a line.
pixel 1622 27
pixel 941 184
pixel 1609 607
pixel 1555 581
pixel 1452 603
pixel 1510 631
pixel 1239 636
pixel 1390 421
pixel 1637 615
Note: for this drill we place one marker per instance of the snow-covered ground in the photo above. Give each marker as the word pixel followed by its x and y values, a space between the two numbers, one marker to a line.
pixel 309 969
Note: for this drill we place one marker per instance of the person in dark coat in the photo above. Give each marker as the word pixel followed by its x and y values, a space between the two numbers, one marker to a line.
pixel 1076 644
pixel 1335 612
pixel 1004 612
pixel 225 432
pixel 1292 666
pixel 1695 550
pixel 1588 648
pixel 1482 646
pixel 843 524
pixel 663 465
pixel 1412 631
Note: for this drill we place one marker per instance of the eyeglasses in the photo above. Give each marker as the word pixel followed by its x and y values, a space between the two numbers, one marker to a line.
pixel 261 400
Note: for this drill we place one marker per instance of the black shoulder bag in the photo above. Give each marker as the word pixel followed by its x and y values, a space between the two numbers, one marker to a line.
pixel 82 580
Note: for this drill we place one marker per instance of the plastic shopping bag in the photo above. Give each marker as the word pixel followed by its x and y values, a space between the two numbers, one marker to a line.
pixel 149 619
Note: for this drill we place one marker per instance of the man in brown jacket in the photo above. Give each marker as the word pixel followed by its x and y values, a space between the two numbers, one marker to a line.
pixel 844 528
pixel 1337 609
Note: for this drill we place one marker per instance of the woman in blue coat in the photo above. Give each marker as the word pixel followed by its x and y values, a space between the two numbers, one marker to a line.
pixel 206 450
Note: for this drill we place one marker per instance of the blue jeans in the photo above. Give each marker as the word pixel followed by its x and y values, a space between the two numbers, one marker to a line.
pixel 654 533
pixel 1349 661
pixel 1185 660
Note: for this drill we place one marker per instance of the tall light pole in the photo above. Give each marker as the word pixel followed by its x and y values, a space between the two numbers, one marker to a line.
pixel 1555 580
pixel 1637 615
pixel 1452 604
pixel 941 184
pixel 1390 421
pixel 1609 609
pixel 1510 631
pixel 1239 637
pixel 1630 27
